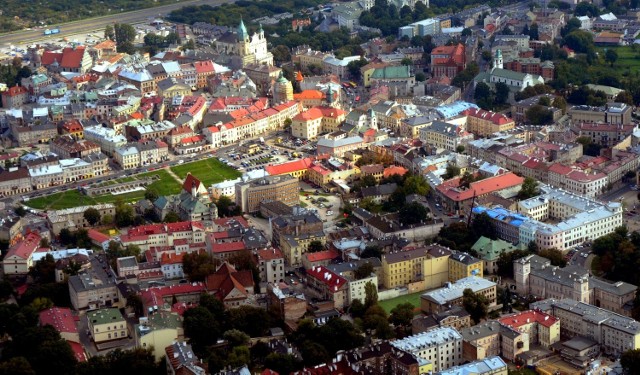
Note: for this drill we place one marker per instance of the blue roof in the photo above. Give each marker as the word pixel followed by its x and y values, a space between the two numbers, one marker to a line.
pixel 502 214
pixel 454 109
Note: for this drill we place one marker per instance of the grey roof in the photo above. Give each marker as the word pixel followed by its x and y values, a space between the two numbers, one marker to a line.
pixel 454 291
pixel 619 288
pixel 434 250
pixel 464 258
pixel 353 265
pixel 384 189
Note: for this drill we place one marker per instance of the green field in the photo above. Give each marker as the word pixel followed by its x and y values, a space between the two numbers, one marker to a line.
pixel 208 171
pixel 165 185
pixel 627 56
pixel 413 299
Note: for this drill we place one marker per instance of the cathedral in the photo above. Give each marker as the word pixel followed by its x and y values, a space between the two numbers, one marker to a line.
pixel 251 49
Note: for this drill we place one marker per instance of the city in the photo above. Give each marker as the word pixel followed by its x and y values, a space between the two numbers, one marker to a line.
pixel 304 187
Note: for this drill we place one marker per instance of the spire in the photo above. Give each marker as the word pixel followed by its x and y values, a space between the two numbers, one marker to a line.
pixel 243 34
pixel 329 94
pixel 260 30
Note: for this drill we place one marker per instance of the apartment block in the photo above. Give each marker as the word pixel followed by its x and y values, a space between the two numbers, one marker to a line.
pixel 488 366
pixel 484 123
pixel 611 113
pixel 463 265
pixel 441 346
pixel 428 265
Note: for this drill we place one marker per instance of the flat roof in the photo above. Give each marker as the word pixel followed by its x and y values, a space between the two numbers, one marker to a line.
pixel 455 290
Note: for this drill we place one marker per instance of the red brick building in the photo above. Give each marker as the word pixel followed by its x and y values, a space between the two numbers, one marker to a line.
pixel 532 65
pixel 448 61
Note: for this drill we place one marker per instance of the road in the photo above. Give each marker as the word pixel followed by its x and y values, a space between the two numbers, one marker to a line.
pixel 99 23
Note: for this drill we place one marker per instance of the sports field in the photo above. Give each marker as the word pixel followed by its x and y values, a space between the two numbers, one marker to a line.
pixel 627 56
pixel 208 171
pixel 413 299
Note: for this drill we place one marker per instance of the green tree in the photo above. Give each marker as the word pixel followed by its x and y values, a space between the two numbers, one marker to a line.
pixel 482 225
pixel 16 366
pixel 554 255
pixel 538 115
pixel 315 246
pixel 92 216
pixel 483 96
pixel 44 349
pixel 44 271
pixel 412 213
pixel 611 56
pixel 625 97
pixel 406 61
pixel 402 314
pixel 451 171
pixel 560 103
pixel 281 54
pixel 109 32
pixel 505 262
pixel 107 219
pixel 415 184
pixel 476 305
pixel 368 181
pixel 135 303
pixel 226 207
pixel 372 251
pixel 282 363
pixel 528 189
pixel 486 55
pixel 630 361
pixel 502 93
pixel 420 77
pixel 151 195
pixel 201 327
pixel 198 266
pixel 371 294
pixel 236 337
pixel 124 215
pixel 20 211
pixel 363 271
pixel 171 217
pixel 587 9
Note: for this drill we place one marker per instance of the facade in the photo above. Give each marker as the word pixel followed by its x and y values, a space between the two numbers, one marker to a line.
pixel 19 257
pixel 93 288
pixel 73 218
pixel 424 264
pixel 442 299
pixel 270 264
pixel 463 265
pixel 484 123
pixel 182 361
pixel 330 286
pixel 445 136
pixel 615 333
pixel 611 113
pixel 250 194
pixel 447 61
pixel 441 346
pixel 250 49
pixel 106 325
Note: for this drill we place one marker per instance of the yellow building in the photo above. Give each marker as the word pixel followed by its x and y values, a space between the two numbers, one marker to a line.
pixel 282 90
pixel 484 123
pixel 463 265
pixel 309 98
pixel 106 324
pixel 294 246
pixel 158 331
pixel 317 120
pixel 375 170
pixel 424 264
pixel 321 175
pixel 297 168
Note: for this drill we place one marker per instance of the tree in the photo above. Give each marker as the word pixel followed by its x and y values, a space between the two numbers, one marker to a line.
pixel 109 33
pixel 533 32
pixel 236 337
pixel 44 271
pixel 92 216
pixel 374 251
pixel 315 246
pixel 412 213
pixel 460 149
pixel 201 327
pixel 151 195
pixel 529 189
pixel 124 33
pixel 171 217
pixel 368 181
pixel 475 304
pixel 420 77
pixel 554 255
pixel 354 68
pixel 107 219
pixel 44 349
pixel 580 41
pixel 16 366
pixel 587 9
pixel 402 314
pixel 416 184
pixel 20 211
pixel 538 115
pixel 198 266
pixel 625 97
pixel 483 96
pixel 502 93
pixel 371 294
pixel 124 215
pixel 282 363
pixel 482 225
pixel 486 55
pixel 135 303
pixel 226 207
pixel 451 171
pixel 365 270
pixel 611 56
pixel 466 31
pixel 560 103
pixel 630 361
pixel 281 54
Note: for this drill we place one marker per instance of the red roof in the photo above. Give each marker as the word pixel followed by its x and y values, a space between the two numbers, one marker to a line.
pixel 394 169
pixel 204 67
pixel 78 351
pixel 25 248
pixel 527 317
pixel 226 279
pixel 70 57
pixel 289 167
pixel 327 277
pixel 228 222
pixel 226 247
pixel 15 91
pixel 168 258
pixel 318 112
pixel 97 237
pixel 496 118
pixel 449 54
pixel 155 296
pixel 60 318
pixel 560 169
pixel 322 255
pixel 269 254
pixel 451 190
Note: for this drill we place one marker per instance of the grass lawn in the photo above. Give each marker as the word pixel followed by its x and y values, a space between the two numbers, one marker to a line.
pixel 627 57
pixel 166 185
pixel 209 171
pixel 413 299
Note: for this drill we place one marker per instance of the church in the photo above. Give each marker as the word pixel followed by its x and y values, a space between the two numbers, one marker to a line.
pixel 250 49
pixel 515 80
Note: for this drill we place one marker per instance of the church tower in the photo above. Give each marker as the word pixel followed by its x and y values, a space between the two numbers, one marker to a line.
pixel 330 96
pixel 497 61
pixel 243 34
pixel 282 90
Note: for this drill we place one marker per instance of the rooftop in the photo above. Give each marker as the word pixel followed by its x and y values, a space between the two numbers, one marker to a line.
pixel 427 339
pixel 486 365
pixel 104 316
pixel 455 290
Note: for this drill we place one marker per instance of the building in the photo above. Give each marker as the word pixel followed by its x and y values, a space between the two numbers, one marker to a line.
pixel 250 49
pixel 614 333
pixel 456 317
pixel 484 123
pixel 157 330
pixel 611 113
pixel 270 264
pixel 442 299
pixel 63 320
pixel 490 250
pixel 605 134
pixel 15 97
pixel 167 234
pixel 447 61
pixel 425 266
pixel 73 218
pixel 282 188
pixel 441 346
pixel 19 258
pixel 486 366
pixel 70 59
pixel 515 80
pixel 444 136
pixel 233 288
pixel 294 246
pixel 94 287
pixel 463 265
pixel 291 305
pixel 317 120
pixel 181 360
pixel 541 329
pixel 106 325
pixel 282 90
pixel 330 286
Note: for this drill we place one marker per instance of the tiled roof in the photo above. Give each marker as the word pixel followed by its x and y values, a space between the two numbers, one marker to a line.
pixel 496 118
pixel 332 280
pixel 292 166
pixel 322 255
pixel 479 188
pixel 25 248
pixel 60 318
pixel 529 316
